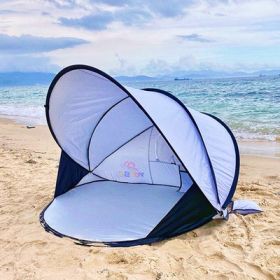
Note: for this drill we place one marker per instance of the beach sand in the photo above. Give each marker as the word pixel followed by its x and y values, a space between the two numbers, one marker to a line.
pixel 244 247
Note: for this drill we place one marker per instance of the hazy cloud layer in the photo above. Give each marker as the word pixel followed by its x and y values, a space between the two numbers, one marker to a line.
pixel 195 38
pixel 170 8
pixel 101 19
pixel 34 44
pixel 64 3
pixel 92 22
pixel 128 12
pixel 128 37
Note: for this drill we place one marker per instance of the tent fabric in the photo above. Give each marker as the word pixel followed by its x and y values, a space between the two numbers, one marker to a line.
pixel 101 144
pixel 186 182
pixel 73 116
pixel 174 121
pixel 69 174
pixel 121 146
pixel 245 207
pixel 185 216
pixel 221 150
pixel 129 163
pixel 110 211
pixel 89 178
pixel 76 139
pixel 132 162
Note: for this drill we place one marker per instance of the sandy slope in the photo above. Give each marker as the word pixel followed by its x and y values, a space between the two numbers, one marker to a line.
pixel 242 248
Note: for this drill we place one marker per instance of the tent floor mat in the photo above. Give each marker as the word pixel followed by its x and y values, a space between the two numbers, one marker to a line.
pixel 110 211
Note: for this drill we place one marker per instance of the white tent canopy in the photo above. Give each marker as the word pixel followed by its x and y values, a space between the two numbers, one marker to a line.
pixel 141 152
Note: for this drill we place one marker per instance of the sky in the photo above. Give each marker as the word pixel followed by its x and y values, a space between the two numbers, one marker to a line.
pixel 133 37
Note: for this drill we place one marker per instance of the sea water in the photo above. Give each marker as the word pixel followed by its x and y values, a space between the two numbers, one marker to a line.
pixel 250 106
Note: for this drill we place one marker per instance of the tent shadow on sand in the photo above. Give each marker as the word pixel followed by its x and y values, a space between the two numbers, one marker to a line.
pixel 204 231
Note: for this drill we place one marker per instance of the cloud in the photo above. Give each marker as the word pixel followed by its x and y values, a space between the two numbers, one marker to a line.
pixel 127 12
pixel 63 3
pixel 195 38
pixel 123 68
pixel 156 67
pixel 102 19
pixel 162 67
pixel 4 12
pixel 170 8
pixel 271 25
pixel 92 22
pixel 132 16
pixel 33 44
pixel 147 35
pixel 113 2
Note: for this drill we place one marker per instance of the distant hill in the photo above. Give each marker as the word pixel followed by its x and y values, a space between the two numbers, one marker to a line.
pixel 40 78
pixel 199 74
pixel 28 78
pixel 33 78
pixel 211 74
pixel 268 73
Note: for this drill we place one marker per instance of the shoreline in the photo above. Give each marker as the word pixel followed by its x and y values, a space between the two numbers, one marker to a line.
pixel 250 147
pixel 260 148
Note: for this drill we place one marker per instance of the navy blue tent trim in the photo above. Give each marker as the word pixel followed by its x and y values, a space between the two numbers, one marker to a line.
pixel 118 148
pixel 99 121
pixel 69 174
pixel 104 179
pixel 185 215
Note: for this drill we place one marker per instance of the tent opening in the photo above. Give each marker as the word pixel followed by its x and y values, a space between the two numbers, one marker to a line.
pixel 134 181
pixel 144 158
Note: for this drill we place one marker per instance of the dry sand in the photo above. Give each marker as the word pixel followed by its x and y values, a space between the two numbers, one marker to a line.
pixel 245 247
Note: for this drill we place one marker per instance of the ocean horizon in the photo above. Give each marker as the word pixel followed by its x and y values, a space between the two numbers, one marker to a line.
pixel 250 106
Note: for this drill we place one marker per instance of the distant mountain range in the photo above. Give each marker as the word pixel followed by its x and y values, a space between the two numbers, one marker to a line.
pixel 202 74
pixel 210 74
pixel 33 78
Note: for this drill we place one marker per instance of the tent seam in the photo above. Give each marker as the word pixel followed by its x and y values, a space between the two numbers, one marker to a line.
pixel 146 129
pixel 105 179
pixel 97 124
pixel 237 161
pixel 198 130
pixel 149 162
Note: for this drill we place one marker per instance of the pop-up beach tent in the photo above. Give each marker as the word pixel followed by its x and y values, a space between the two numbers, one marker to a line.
pixel 137 166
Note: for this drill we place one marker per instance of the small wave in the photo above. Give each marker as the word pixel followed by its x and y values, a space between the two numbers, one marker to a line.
pixel 23 114
pixel 250 107
pixel 256 136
